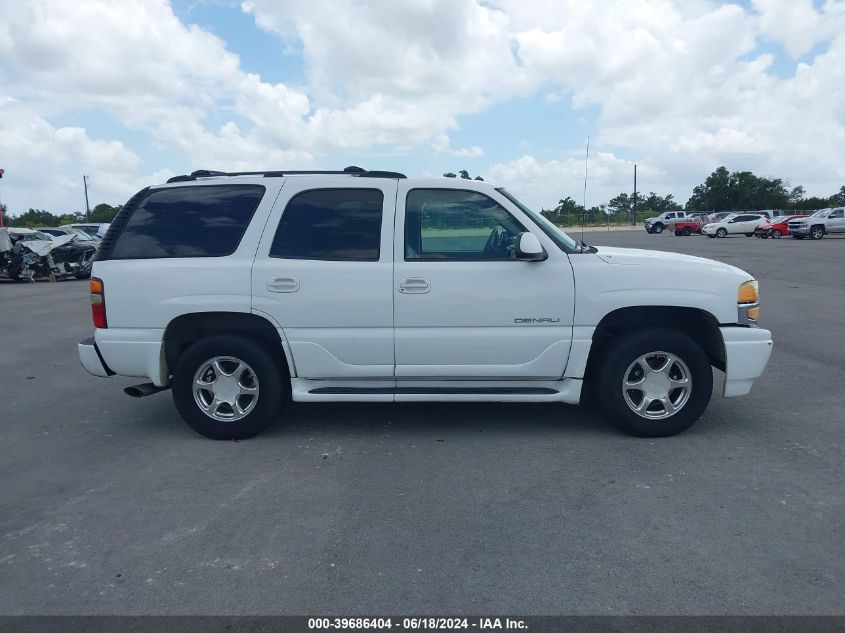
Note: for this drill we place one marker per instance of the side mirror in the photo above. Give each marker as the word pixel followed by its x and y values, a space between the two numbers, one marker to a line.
pixel 529 249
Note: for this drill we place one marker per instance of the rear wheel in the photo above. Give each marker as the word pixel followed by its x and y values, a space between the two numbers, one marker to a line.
pixel 653 383
pixel 722 232
pixel 687 231
pixel 228 387
pixel 817 232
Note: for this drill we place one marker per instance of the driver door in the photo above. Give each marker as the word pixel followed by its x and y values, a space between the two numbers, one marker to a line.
pixel 464 307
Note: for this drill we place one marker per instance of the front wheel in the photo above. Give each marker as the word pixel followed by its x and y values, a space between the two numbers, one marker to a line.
pixel 776 234
pixel 722 232
pixel 228 387
pixel 658 228
pixel 653 382
pixel 816 233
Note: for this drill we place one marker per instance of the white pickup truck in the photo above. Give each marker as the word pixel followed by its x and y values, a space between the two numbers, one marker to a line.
pixel 242 291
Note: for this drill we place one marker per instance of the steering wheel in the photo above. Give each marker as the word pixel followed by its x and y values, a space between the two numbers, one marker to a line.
pixel 496 239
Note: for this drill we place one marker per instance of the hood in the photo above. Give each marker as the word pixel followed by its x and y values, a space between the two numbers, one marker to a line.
pixel 660 259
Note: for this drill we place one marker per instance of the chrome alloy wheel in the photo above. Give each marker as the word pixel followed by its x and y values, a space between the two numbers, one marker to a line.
pixel 225 388
pixel 656 385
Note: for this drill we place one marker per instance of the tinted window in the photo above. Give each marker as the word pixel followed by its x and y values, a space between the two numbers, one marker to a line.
pixel 837 214
pixel 188 222
pixel 452 224
pixel 331 224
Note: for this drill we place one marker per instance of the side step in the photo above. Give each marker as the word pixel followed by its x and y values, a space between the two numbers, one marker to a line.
pixel 566 390
pixel 435 390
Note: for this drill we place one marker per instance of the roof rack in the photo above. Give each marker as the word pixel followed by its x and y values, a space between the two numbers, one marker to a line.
pixel 352 170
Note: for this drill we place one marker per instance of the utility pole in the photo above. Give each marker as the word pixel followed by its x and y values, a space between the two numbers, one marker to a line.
pixel 87 208
pixel 634 216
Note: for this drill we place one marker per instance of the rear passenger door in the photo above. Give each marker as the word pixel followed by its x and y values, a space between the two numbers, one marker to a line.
pixel 324 273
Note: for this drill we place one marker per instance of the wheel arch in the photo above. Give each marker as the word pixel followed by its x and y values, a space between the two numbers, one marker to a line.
pixel 186 329
pixel 698 324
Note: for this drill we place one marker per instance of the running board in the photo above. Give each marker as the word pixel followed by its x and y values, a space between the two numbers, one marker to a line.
pixel 436 390
pixel 380 390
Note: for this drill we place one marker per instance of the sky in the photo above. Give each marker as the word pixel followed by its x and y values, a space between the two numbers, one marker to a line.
pixel 131 92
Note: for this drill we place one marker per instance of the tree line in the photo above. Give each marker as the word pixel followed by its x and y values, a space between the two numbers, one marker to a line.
pixel 38 217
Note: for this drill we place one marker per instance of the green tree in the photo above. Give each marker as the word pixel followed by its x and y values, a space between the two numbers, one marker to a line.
pixel 463 173
pixel 739 191
pixel 103 212
pixel 838 198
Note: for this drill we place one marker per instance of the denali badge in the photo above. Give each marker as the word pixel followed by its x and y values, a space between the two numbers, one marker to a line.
pixel 540 320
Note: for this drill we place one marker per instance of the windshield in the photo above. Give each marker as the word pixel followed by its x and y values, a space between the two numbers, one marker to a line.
pixel 820 213
pixel 564 242
pixel 730 216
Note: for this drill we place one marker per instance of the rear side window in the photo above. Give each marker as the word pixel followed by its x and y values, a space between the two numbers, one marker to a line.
pixel 204 221
pixel 331 224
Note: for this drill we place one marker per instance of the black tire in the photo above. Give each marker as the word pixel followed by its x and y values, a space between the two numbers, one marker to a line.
pixel 658 228
pixel 620 354
pixel 273 387
pixel 776 234
pixel 722 232
pixel 687 231
pixel 649 231
pixel 816 232
pixel 749 235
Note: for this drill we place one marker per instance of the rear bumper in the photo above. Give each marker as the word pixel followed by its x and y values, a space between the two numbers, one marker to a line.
pixel 747 352
pixel 91 359
pixel 128 352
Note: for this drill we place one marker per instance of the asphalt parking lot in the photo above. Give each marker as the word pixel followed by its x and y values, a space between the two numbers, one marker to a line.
pixel 112 505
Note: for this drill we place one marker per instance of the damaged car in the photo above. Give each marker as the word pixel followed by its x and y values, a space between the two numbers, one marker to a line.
pixel 28 255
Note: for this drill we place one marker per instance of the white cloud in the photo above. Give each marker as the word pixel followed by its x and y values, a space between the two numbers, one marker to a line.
pixel 542 184
pixel 680 86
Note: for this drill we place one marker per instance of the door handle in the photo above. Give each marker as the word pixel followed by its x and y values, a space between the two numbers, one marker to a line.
pixel 283 284
pixel 414 285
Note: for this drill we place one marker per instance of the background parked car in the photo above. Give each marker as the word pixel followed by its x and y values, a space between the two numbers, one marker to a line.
pixel 744 223
pixel 717 217
pixel 79 236
pixel 776 227
pixel 658 224
pixel 819 224
pixel 96 229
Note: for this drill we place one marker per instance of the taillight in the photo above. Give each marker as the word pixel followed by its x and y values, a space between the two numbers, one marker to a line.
pixel 98 302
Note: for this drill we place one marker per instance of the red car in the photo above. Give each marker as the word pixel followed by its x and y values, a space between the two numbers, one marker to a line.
pixel 776 227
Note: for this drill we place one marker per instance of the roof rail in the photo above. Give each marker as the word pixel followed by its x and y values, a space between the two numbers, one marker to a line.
pixel 352 170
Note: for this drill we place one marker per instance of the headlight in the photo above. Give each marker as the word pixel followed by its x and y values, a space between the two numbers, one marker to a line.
pixel 748 302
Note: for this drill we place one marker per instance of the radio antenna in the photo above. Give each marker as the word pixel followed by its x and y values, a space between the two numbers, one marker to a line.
pixel 586 168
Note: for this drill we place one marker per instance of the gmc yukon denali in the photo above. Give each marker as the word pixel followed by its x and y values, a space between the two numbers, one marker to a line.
pixel 241 291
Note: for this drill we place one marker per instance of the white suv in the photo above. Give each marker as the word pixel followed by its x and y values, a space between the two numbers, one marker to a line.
pixel 241 291
pixel 735 223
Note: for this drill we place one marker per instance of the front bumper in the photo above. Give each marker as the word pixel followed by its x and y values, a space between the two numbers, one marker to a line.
pixel 707 230
pixel 803 231
pixel 747 352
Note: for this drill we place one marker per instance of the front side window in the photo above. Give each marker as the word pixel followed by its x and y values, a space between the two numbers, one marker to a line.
pixel 838 213
pixel 331 224
pixel 201 221
pixel 450 224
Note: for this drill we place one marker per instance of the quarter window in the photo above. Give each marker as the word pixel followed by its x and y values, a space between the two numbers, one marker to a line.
pixel 449 224
pixel 200 221
pixel 331 224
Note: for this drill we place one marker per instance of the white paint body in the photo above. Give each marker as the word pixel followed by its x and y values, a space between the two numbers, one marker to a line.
pixel 403 325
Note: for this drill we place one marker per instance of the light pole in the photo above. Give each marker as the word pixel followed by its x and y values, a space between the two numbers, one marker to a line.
pixel 85 185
